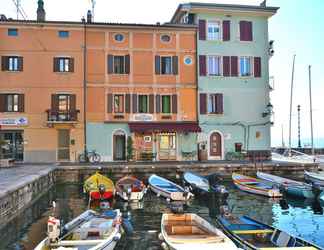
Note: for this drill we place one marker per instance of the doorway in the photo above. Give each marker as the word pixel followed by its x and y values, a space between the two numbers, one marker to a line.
pixel 215 146
pixel 63 151
pixel 12 145
pixel 119 147
pixel 167 146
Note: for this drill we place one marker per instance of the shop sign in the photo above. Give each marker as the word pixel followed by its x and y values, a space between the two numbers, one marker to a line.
pixel 143 117
pixel 17 121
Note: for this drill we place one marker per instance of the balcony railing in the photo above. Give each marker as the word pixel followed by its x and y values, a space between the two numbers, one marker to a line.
pixel 62 116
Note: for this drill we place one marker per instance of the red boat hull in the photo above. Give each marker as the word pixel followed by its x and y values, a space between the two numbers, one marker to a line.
pixel 98 196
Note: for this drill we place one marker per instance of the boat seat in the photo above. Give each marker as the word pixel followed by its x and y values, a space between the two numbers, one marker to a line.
pixel 282 239
pixel 186 230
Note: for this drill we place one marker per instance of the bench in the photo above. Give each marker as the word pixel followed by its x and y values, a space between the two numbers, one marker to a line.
pixel 6 163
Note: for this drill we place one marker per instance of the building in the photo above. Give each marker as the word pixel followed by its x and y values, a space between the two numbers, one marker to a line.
pixel 233 78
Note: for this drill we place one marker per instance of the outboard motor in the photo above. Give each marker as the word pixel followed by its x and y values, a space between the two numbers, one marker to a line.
pixel 102 189
pixel 53 229
pixel 222 192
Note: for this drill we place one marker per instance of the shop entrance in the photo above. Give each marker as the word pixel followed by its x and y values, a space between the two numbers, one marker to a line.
pixel 167 146
pixel 12 145
pixel 63 151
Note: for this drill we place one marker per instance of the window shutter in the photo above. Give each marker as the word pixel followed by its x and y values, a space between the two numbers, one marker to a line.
pixel 202 65
pixel 234 66
pixel 127 103
pixel 249 32
pixel 151 104
pixel 134 100
pixel 203 103
pixel 127 64
pixel 109 103
pixel 73 102
pixel 257 66
pixel 56 64
pixel 175 65
pixel 3 103
pixel 110 64
pixel 219 104
pixel 226 30
pixel 21 103
pixel 71 65
pixel 226 66
pixel 54 104
pixel 157 65
pixel 20 63
pixel 4 63
pixel 202 29
pixel 174 104
pixel 158 104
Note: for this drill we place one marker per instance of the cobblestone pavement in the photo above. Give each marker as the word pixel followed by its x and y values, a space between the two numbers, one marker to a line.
pixel 14 177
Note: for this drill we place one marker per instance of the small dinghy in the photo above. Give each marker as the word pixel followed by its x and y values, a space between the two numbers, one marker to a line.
pixel 191 232
pixel 292 187
pixel 99 187
pixel 316 178
pixel 130 189
pixel 255 186
pixel 202 186
pixel 88 231
pixel 168 189
pixel 248 233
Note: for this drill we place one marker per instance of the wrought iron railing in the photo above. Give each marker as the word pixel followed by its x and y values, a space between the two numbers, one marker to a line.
pixel 62 116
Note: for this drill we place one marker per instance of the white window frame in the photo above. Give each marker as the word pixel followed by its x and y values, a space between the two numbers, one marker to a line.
pixel 124 65
pixel 251 66
pixel 171 70
pixel 13 103
pixel 208 103
pixel 64 64
pixel 212 37
pixel 124 102
pixel 220 69
pixel 13 63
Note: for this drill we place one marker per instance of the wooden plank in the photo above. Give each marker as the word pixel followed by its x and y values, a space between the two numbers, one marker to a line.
pixel 257 231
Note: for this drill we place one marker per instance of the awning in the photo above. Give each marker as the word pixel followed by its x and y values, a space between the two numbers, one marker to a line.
pixel 184 127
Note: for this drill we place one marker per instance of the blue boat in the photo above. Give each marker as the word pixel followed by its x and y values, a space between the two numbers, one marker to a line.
pixel 168 189
pixel 249 233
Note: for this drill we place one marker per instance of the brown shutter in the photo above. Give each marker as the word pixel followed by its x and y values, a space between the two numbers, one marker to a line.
pixel 174 104
pixel 151 104
pixel 54 103
pixel 3 103
pixel 249 32
pixel 202 65
pixel 127 104
pixel 157 103
pixel 242 30
pixel 202 29
pixel 226 66
pixel 71 64
pixel 157 65
pixel 134 103
pixel 234 66
pixel 72 102
pixel 56 64
pixel 109 103
pixel 203 103
pixel 4 63
pixel 21 103
pixel 219 104
pixel 20 63
pixel 257 66
pixel 110 59
pixel 175 65
pixel 226 30
pixel 127 64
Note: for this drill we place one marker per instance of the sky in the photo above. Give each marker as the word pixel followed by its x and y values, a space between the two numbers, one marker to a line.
pixel 297 28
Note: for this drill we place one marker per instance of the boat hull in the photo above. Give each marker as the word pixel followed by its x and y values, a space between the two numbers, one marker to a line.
pixel 129 188
pixel 134 196
pixel 99 187
pixel 314 178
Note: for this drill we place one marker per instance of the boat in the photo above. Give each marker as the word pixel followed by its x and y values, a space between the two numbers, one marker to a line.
pixel 249 233
pixel 88 231
pixel 191 232
pixel 130 188
pixel 202 186
pixel 99 187
pixel 168 189
pixel 255 186
pixel 316 178
pixel 292 187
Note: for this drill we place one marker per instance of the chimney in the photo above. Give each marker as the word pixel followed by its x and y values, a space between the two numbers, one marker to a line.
pixel 89 16
pixel 40 11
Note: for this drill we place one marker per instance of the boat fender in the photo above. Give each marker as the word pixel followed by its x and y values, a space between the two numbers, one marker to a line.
pixel 158 194
pixel 53 229
pixel 160 236
pixel 168 199
pixel 164 246
pixel 127 226
pixel 117 237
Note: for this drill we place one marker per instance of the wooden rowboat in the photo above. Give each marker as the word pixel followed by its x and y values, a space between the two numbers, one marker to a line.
pixel 130 189
pixel 168 189
pixel 99 187
pixel 191 232
pixel 317 178
pixel 255 186
pixel 248 233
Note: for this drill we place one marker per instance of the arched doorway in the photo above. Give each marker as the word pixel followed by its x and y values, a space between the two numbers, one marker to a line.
pixel 119 145
pixel 215 145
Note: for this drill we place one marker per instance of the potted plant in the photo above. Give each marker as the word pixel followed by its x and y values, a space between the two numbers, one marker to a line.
pixel 130 148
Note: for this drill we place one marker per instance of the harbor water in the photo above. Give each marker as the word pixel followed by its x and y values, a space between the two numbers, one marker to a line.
pixel 302 218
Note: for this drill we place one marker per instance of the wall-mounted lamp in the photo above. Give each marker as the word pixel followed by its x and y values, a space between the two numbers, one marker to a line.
pixel 268 110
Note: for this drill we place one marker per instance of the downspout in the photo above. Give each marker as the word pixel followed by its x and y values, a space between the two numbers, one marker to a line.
pixel 85 88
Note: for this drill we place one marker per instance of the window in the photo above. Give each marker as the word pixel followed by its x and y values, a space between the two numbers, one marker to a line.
pixel 214 65
pixel 119 103
pixel 13 63
pixel 215 104
pixel 245 66
pixel 165 38
pixel 166 65
pixel 63 102
pixel 63 33
pixel 119 64
pixel 12 103
pixel 213 30
pixel 142 103
pixel 63 64
pixel 12 32
pixel 119 37
pixel 166 104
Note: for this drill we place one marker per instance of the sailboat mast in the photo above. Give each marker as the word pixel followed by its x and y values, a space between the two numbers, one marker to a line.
pixel 311 108
pixel 291 96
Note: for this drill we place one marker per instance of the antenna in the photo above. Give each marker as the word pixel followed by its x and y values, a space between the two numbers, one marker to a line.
pixel 19 9
pixel 93 3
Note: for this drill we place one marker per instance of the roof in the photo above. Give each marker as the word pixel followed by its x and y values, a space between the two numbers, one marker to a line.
pixel 192 6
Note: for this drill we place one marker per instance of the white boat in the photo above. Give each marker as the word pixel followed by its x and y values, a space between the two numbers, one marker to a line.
pixel 191 232
pixel 88 231
pixel 130 188
pixel 168 189
pixel 317 178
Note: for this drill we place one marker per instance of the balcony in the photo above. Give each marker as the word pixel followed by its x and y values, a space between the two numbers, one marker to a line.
pixel 55 116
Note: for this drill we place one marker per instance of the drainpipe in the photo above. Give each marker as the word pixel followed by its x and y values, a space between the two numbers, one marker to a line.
pixel 85 88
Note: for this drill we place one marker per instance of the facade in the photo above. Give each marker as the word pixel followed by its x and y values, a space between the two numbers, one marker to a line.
pixel 233 79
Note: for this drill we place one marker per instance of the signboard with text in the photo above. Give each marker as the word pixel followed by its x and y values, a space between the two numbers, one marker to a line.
pixel 143 117
pixel 14 121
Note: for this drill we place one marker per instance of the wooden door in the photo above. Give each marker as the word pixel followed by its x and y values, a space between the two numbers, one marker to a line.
pixel 63 151
pixel 119 147
pixel 215 145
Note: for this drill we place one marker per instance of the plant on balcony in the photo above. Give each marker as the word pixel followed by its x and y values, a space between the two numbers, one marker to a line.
pixel 130 149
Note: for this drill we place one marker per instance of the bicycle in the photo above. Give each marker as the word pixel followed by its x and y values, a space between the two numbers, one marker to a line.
pixel 90 156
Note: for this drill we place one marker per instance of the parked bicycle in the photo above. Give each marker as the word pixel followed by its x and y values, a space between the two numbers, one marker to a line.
pixel 90 156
